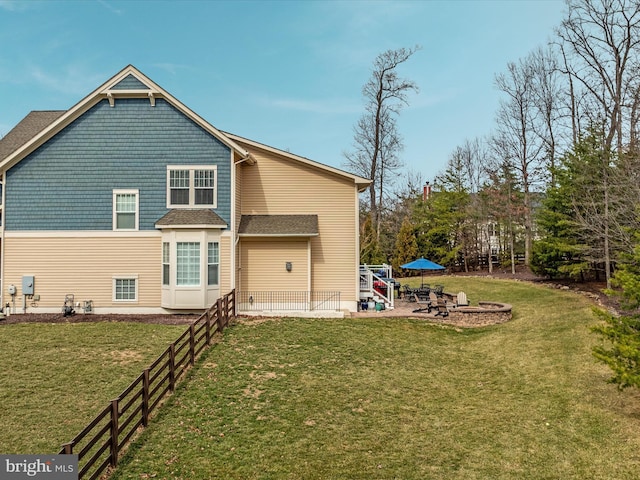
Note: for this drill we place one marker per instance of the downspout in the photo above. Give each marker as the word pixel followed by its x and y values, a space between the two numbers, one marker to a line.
pixel 235 255
pixel 309 274
pixel 357 247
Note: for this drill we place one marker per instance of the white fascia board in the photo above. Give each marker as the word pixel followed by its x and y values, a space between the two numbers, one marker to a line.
pixel 189 227
pixel 277 235
pixel 362 182
pixel 104 91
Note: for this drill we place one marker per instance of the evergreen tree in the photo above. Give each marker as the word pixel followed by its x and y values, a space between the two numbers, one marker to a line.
pixel 406 245
pixel 439 221
pixel 623 331
pixel 370 252
pixel 558 252
pixel 502 199
pixel 585 220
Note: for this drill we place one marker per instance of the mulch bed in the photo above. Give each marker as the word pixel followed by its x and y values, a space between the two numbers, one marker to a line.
pixel 161 319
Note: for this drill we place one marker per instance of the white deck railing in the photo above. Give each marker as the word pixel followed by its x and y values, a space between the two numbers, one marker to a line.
pixel 377 281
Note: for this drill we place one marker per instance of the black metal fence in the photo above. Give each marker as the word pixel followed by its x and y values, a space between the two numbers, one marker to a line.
pixel 293 301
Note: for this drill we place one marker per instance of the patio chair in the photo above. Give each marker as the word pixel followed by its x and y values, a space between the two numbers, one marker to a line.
pixel 425 305
pixel 422 293
pixel 438 289
pixel 407 293
pixel 462 300
pixel 439 304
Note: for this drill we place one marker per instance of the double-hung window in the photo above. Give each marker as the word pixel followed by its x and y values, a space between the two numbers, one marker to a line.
pixel 213 263
pixel 125 210
pixel 191 186
pixel 166 265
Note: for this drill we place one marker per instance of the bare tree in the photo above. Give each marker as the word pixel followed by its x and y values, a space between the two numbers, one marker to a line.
pixel 546 91
pixel 516 141
pixel 602 39
pixel 377 143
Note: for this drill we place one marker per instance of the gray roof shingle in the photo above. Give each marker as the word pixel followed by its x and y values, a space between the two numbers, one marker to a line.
pixel 279 225
pixel 28 128
pixel 179 217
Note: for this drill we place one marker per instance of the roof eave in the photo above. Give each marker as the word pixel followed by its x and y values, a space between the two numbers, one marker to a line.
pixel 193 227
pixel 361 182
pixel 279 235
pixel 105 91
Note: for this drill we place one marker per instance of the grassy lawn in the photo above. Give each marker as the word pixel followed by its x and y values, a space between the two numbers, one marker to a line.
pixel 54 378
pixel 401 399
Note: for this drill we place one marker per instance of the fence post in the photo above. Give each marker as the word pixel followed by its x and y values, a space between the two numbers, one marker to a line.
pixel 208 326
pixel 145 397
pixel 192 344
pixel 68 448
pixel 216 316
pixel 221 314
pixel 114 433
pixel 172 367
pixel 233 294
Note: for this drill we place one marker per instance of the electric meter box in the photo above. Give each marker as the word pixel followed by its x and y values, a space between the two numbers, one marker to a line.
pixel 28 284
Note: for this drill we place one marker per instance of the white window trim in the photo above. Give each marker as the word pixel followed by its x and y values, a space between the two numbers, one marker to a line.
pixel 135 192
pixel 124 277
pixel 192 169
pixel 167 264
pixel 199 264
pixel 210 285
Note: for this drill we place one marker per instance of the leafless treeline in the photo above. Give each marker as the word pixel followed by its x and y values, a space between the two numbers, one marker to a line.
pixel 584 82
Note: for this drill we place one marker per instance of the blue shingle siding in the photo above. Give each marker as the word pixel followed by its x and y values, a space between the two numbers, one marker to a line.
pixel 130 83
pixel 67 184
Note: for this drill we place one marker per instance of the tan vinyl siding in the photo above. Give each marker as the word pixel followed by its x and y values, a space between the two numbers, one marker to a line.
pixel 238 194
pixel 277 185
pixel 85 266
pixel 225 265
pixel 263 264
pixel 238 214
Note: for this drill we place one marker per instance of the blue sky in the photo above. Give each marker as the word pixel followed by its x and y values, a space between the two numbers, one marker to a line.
pixel 285 73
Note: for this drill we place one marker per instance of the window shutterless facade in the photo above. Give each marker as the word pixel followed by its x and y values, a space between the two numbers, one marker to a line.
pixel 187 264
pixel 125 289
pixel 125 210
pixel 166 263
pixel 191 268
pixel 192 186
pixel 213 263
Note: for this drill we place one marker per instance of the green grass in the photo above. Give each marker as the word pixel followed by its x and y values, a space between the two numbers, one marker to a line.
pixel 401 399
pixel 54 378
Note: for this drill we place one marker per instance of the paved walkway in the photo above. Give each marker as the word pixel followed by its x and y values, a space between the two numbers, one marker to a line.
pixel 402 309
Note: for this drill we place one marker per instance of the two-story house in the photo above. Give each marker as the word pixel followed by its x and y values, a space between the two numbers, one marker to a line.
pixel 134 202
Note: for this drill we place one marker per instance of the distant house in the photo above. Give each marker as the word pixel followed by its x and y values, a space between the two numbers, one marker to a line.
pixel 132 201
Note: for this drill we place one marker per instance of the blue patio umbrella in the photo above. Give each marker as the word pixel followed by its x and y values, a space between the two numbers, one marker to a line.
pixel 422 264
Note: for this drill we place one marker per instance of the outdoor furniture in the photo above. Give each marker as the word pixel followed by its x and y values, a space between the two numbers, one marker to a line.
pixel 422 293
pixel 439 304
pixel 422 264
pixel 407 293
pixel 438 290
pixel 425 305
pixel 462 300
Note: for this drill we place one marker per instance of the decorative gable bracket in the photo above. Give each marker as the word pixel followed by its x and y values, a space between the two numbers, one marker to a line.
pixel 150 94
